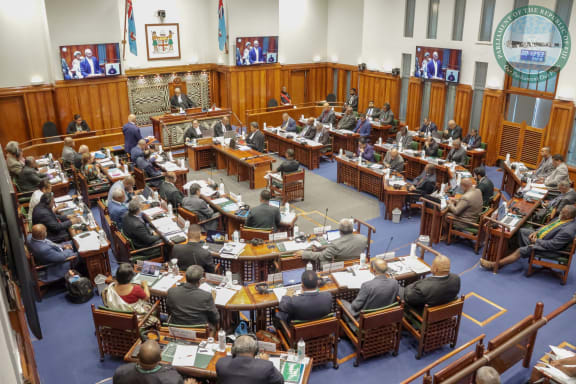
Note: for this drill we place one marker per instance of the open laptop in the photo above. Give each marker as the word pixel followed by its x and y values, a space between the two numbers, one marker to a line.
pixel 333 235
pixel 275 203
pixel 150 268
pixel 147 192
pixel 213 236
pixel 506 218
pixel 350 154
pixel 292 277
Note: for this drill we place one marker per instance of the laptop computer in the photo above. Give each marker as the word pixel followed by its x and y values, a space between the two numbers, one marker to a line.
pixel 150 268
pixel 292 277
pixel 506 218
pixel 147 192
pixel 333 235
pixel 213 236
pixel 229 134
pixel 350 154
pixel 275 203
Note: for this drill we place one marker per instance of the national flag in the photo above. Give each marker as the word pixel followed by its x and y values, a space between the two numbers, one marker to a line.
pixel 222 36
pixel 131 28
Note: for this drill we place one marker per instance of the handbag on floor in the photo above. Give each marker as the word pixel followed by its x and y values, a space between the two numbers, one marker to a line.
pixel 79 289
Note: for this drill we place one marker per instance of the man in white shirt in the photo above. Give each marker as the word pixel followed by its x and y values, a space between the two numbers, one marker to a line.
pixel 44 187
pixel 89 66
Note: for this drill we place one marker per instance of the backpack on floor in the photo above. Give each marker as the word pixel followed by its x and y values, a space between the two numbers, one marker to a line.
pixel 79 289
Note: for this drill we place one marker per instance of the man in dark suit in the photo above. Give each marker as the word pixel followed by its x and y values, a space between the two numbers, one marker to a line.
pixel 193 132
pixel 56 225
pixel 323 137
pixel 289 165
pixel 457 154
pixel 352 100
pixel 243 367
pixel 45 252
pixel 348 120
pixel 484 184
pixel 29 177
pixel 194 203
pixel 256 139
pixel 431 147
pixel 89 66
pixel 394 161
pixel 365 150
pixel 428 127
pixel 310 305
pixel 131 133
pixel 264 215
pixel 376 293
pixel 363 126
pixel 169 192
pixel 187 304
pixel 327 116
pixel 149 168
pixel 309 130
pixel 425 183
pixel 193 253
pixel 222 126
pixel 180 100
pixel 386 115
pixel 116 207
pixel 136 229
pixel 472 140
pixel 546 241
pixel 553 207
pixel 77 125
pixel 403 138
pixel 372 112
pixel 440 288
pixel 288 123
pixel 434 67
pixel 454 131
pixel 255 55
pixel 138 150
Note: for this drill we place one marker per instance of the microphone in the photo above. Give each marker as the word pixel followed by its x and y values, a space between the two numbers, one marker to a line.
pixel 389 243
pixel 324 224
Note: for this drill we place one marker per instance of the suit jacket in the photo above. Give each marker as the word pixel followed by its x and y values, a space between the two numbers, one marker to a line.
pixel 256 141
pixel 290 125
pixel 433 291
pixel 252 55
pixel 85 68
pixel 189 305
pixel 29 179
pixel 132 135
pixel 219 129
pixel 376 293
pixel 545 168
pixel 130 373
pixel 327 117
pixel 396 164
pixel 170 193
pixel 310 133
pixel 310 305
pixel 185 103
pixel 288 166
pixel 72 127
pixel 434 71
pixel 324 137
pixel 198 206
pixel 486 186
pixel 558 239
pixel 459 155
pixel 347 122
pixel 246 370
pixel 193 254
pixel 405 140
pixel 455 133
pixel 425 183
pixel 368 153
pixel 469 206
pixel 135 153
pixel 569 198
pixel 432 149
pixel 117 211
pixel 68 155
pixel 148 168
pixel 430 128
pixel 118 185
pixel 56 225
pixel 78 161
pixel 264 216
pixel 560 173
pixel 46 252
pixel 14 165
pixel 352 101
pixel 285 98
pixel 136 230
pixel 373 112
pixel 387 117
pixel 346 247
pixel 472 141
pixel 192 133
pixel 363 128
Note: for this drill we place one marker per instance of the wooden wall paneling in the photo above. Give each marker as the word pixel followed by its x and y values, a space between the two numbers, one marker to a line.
pixel 13 119
pixel 437 103
pixel 380 87
pixel 559 128
pixel 414 102
pixel 40 109
pixel 298 86
pixel 329 76
pixel 530 145
pixel 341 94
pixel 491 122
pixel 273 85
pixel 463 107
pixel 354 79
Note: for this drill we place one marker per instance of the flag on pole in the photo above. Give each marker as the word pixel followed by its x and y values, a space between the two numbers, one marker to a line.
pixel 222 36
pixel 131 29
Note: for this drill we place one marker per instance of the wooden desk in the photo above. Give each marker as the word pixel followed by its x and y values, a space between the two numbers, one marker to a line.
pixel 58 189
pixel 97 261
pixel 361 177
pixel 431 219
pixel 510 181
pixel 200 156
pixel 181 173
pixel 170 128
pixel 477 156
pixel 344 140
pixel 246 165
pixel 377 129
pixel 306 154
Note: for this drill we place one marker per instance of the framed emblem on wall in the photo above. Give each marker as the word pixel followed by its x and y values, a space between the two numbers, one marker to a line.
pixel 162 41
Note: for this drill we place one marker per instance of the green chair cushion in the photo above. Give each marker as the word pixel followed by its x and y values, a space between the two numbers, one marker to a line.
pixel 483 145
pixel 105 308
pixel 414 145
pixel 440 152
pixel 332 314
pixel 366 311
pixel 377 157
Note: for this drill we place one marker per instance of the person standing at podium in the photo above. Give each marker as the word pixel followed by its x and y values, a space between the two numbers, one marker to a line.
pixel 180 100
pixel 131 133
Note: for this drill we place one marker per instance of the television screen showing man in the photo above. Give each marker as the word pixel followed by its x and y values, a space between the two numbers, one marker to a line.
pixel 90 60
pixel 256 50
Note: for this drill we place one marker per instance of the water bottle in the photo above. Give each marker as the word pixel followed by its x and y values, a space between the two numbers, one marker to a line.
pixel 175 270
pixel 117 162
pixel 309 266
pixel 108 153
pixel 221 340
pixel 103 239
pixel 264 125
pixel 221 189
pixel 239 197
pixel 287 207
pixel 50 156
pixel 126 169
pixel 296 231
pixel 380 140
pixel 186 226
pixel 159 149
pixel 301 350
pixel 362 259
pixel 341 152
pixel 236 237
pixel 228 277
pixel 170 209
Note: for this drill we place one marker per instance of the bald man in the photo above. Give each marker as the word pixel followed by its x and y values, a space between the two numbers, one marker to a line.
pixel 78 159
pixel 440 288
pixel 487 375
pixel 181 100
pixel 327 116
pixel 454 131
pixel 68 152
pixel 288 123
pixel 169 192
pixel 469 206
pixel 148 369
pixel 47 252
pixel 131 133
pixel 394 161
pixel 457 154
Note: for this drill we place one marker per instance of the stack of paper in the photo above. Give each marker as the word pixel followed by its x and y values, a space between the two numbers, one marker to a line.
pixel 153 211
pixel 292 246
pixel 352 281
pixel 185 356
pixel 166 226
pixel 232 250
pixel 415 264
pixel 115 172
pixel 87 241
pixel 61 199
pixel 170 167
pixel 166 282
pixel 286 218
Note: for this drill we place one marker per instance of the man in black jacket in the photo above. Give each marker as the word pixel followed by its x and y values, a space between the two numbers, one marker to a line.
pixel 189 305
pixel 430 147
pixel 264 216
pixel 484 184
pixel 77 125
pixel 148 167
pixel 309 305
pixel 453 131
pixel 472 140
pixel 425 183
pixel 135 228
pixel 222 126
pixel 193 253
pixel 56 225
pixel 255 139
pixel 289 165
pixel 193 132
pixel 169 192
pixel 180 100
pixel 194 203
pixel 29 178
pixel 457 154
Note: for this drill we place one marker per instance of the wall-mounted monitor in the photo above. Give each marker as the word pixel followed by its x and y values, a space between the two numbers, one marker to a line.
pixel 256 50
pixel 438 64
pixel 87 61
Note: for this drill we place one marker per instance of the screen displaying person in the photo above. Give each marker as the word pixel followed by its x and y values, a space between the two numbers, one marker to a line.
pixel 256 53
pixel 435 67
pixel 90 66
pixel 76 71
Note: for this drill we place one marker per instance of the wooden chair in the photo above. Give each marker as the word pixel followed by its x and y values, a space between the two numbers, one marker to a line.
pixel 552 261
pixel 472 231
pixel 193 217
pixel 117 331
pixel 370 229
pixel 495 202
pixel 436 326
pixel 40 286
pixel 142 180
pixel 292 187
pixel 329 150
pixel 125 252
pixel 92 191
pixel 320 336
pixel 375 332
pixel 202 330
pixel 106 223
pixel 248 234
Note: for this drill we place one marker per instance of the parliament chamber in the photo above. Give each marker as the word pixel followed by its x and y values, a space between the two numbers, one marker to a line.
pixel 288 191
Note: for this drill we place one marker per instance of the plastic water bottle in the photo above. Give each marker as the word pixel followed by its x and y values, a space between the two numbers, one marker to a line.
pixel 170 156
pixel 159 149
pixel 103 239
pixel 309 266
pixel 363 259
pixel 228 277
pixel 301 350
pixel 175 270
pixel 186 226
pixel 264 125
pixel 108 153
pixel 126 168
pixel 287 207
pixel 380 140
pixel 296 231
pixel 50 156
pixel 221 340
pixel 221 189
pixel 170 210
pixel 341 152
pixel 236 237
pixel 239 197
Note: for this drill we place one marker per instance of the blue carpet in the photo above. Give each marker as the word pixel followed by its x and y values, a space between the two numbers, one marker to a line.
pixel 69 352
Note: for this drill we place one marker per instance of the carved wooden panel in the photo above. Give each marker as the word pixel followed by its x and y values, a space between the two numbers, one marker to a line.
pixel 531 144
pixel 437 104
pixel 559 128
pixel 414 102
pixel 463 106
pixel 490 122
pixel 509 134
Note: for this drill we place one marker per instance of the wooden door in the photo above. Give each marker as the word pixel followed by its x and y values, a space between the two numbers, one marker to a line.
pixel 298 87
pixel 14 124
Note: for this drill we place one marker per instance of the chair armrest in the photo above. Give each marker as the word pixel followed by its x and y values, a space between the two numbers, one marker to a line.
pixel 136 251
pixel 346 312
pixel 41 267
pixel 285 328
pixel 453 218
pixel 147 315
pixel 535 224
pixel 217 217
pixel 414 313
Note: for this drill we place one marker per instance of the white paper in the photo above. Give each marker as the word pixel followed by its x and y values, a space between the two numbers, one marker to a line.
pixel 347 279
pixel 152 211
pixel 244 148
pixel 279 292
pixel 183 333
pixel 166 226
pixel 166 282
pixel 415 264
pixel 61 199
pixel 561 353
pixel 220 200
pixel 223 295
pixel 286 218
pixel 88 243
pixel 185 356
pixel 292 246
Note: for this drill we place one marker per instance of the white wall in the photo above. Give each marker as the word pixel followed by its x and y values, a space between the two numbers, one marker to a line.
pixel 344 31
pixel 24 43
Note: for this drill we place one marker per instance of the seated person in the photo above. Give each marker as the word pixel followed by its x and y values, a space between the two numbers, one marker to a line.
pixel 56 225
pixel 187 304
pixel 78 159
pixel 148 368
pixel 348 246
pixel 453 131
pixel 487 375
pixel 430 147
pixel 546 167
pixel 47 252
pixel 43 187
pixel 169 192
pixel 309 130
pixel 372 112
pixel 193 132
pixel 363 126
pixel 194 203
pixel 551 208
pixel 311 304
pixel 546 241
pixel 285 98
pixel 376 293
pixel 93 175
pixel 289 165
pixel 425 183
pixel 468 207
pixel 440 288
pixel 394 161
pixel 323 137
pixel 193 252
pixel 77 125
pixel 428 127
pixel 327 116
pixel 365 150
pixel 566 365
pixel 29 177
pixel 138 150
pixel 14 159
pixel 147 165
pixel 348 120
pixel 222 126
pixel 127 185
pixel 386 115
pixel 484 184
pixel 264 216
pixel 288 123
pixel 135 229
pixel 472 140
pixel 69 154
pixel 403 138
pixel 123 295
pixel 256 139
pixel 560 172
pixel 243 367
pixel 117 207
pixel 181 100
pixel 457 154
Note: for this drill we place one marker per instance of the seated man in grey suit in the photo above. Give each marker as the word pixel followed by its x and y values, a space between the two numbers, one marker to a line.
pixel 194 203
pixel 264 216
pixel 136 230
pixel 288 123
pixel 560 172
pixel 468 207
pixel 457 154
pixel 376 293
pixel 222 126
pixel 425 183
pixel 327 116
pixel 309 130
pixel 169 192
pixel 404 138
pixel 548 240
pixel 440 288
pixel 311 304
pixel 386 115
pixel 394 161
pixel 348 120
pixel 256 139
pixel 553 207
pixel 545 168
pixel 453 131
pixel 472 140
pixel 348 246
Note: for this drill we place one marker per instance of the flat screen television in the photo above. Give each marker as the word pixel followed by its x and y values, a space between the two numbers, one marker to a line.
pixel 256 50
pixel 88 61
pixel 438 64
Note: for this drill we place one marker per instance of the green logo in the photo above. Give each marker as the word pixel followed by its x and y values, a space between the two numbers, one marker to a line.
pixel 531 43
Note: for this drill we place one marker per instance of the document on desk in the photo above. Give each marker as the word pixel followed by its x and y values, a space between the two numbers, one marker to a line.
pixel 166 282
pixel 87 241
pixel 152 211
pixel 557 375
pixel 286 218
pixel 279 292
pixel 351 281
pixel 185 356
pixel 232 250
pixel 414 263
pixel 166 226
pixel 244 148
pixel 293 246
pixel 223 295
pixel 62 199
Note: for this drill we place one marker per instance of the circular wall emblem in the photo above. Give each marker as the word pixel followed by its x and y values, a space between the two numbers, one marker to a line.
pixel 531 43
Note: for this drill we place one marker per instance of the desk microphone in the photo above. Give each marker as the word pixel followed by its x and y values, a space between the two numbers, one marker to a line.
pixel 324 224
pixel 389 243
